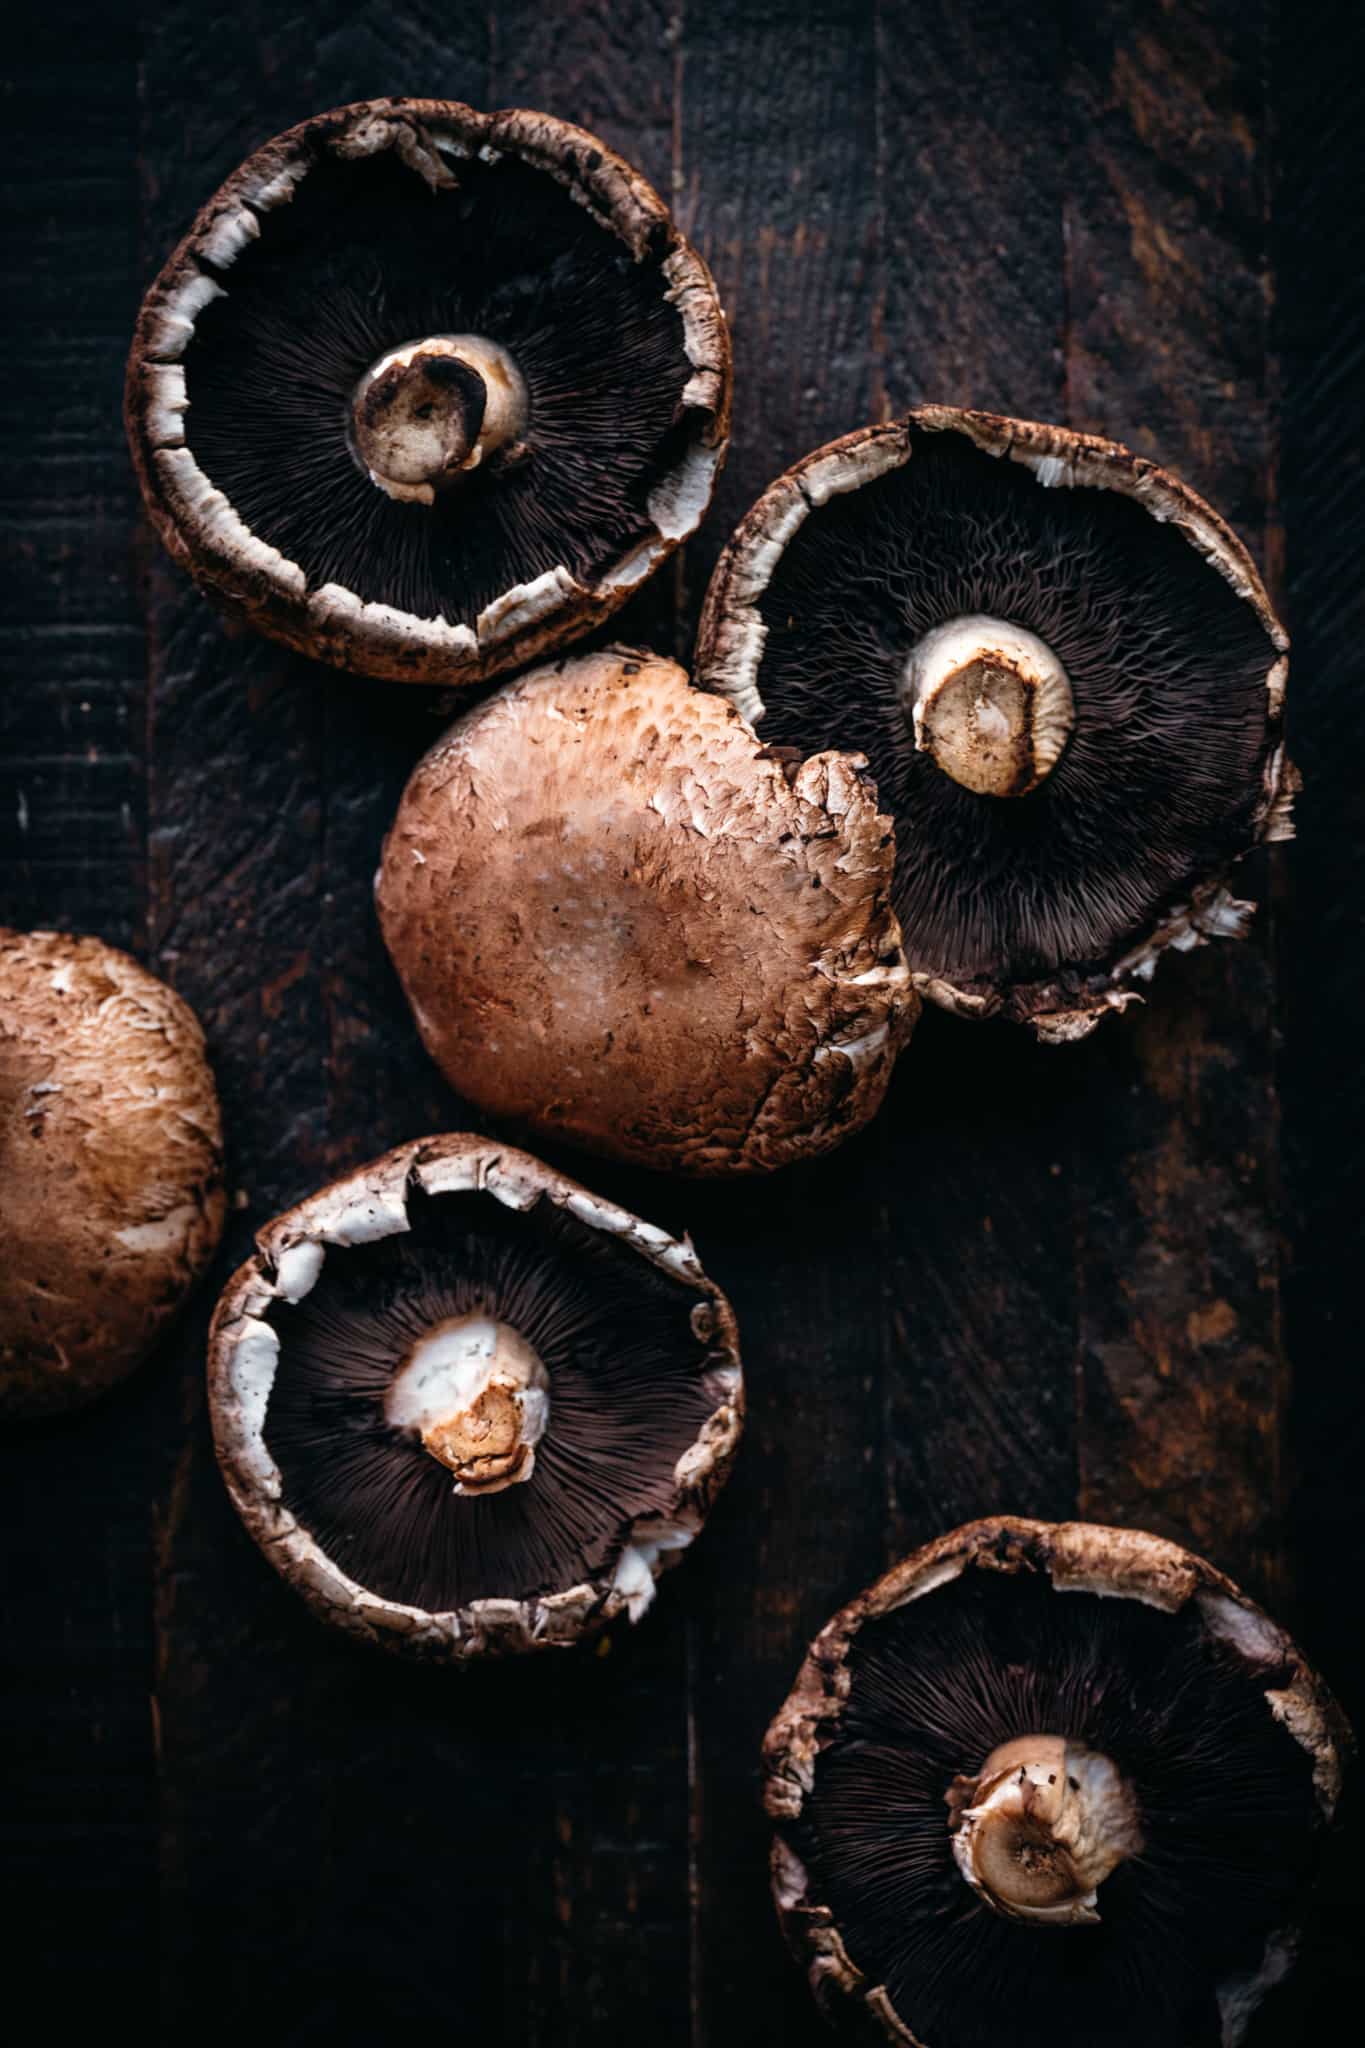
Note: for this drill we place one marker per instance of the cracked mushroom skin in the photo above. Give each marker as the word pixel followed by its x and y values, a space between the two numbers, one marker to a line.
pixel 111 1167
pixel 1055 1756
pixel 623 923
pixel 466 1407
pixel 427 392
pixel 1067 678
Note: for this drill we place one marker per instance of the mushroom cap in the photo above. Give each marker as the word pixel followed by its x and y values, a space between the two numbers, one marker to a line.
pixel 359 232
pixel 1234 1748
pixel 623 922
pixel 1050 905
pixel 649 1421
pixel 111 1166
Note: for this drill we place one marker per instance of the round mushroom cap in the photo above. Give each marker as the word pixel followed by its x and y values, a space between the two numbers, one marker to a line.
pixel 971 1677
pixel 466 1407
pixel 111 1167
pixel 623 922
pixel 426 392
pixel 1064 671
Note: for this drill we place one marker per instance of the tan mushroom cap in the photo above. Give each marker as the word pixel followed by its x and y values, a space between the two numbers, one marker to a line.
pixel 111 1161
pixel 1085 1557
pixel 253 579
pixel 621 922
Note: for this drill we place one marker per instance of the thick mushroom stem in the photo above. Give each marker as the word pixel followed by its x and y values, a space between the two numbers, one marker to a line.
pixel 428 412
pixel 990 703
pixel 1041 1827
pixel 478 1397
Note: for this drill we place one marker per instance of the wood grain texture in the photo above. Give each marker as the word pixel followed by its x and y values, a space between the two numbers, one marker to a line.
pixel 1183 1380
pixel 76 1608
pixel 1319 252
pixel 971 142
pixel 604 1914
pixel 1042 1281
pixel 71 738
pixel 791 234
pixel 978 1234
pixel 300 1832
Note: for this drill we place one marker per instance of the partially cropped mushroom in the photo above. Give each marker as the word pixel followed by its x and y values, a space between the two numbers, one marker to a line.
pixel 623 922
pixel 426 392
pixel 1047 1783
pixel 1066 676
pixel 465 1406
pixel 111 1167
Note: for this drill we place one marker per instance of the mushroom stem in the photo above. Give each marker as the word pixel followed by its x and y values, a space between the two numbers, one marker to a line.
pixel 478 1397
pixel 429 411
pixel 1040 1828
pixel 990 703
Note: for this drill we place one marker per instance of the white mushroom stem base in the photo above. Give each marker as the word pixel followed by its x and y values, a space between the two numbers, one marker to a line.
pixel 429 411
pixel 1041 1827
pixel 478 1397
pixel 990 703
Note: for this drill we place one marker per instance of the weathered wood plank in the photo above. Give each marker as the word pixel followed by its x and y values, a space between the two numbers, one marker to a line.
pixel 71 793
pixel 1320 302
pixel 308 1798
pixel 79 1830
pixel 605 1914
pixel 776 182
pixel 1183 1379
pixel 980 1286
pixel 971 143
pixel 778 185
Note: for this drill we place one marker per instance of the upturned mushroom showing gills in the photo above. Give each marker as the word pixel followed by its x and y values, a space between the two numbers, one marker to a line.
pixel 1050 1783
pixel 111 1167
pixel 623 922
pixel 1065 674
pixel 426 392
pixel 466 1407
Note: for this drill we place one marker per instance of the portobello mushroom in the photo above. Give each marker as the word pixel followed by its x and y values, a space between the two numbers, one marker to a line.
pixel 1050 1783
pixel 465 1406
pixel 1067 678
pixel 426 392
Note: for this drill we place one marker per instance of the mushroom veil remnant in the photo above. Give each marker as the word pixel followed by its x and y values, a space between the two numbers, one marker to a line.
pixel 1065 674
pixel 426 392
pixel 464 1406
pixel 1047 1783
pixel 111 1167
pixel 625 923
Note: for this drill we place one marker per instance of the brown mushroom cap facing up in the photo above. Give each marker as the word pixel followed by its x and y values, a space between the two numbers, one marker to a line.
pixel 465 1406
pixel 1065 674
pixel 426 392
pixel 111 1167
pixel 1047 1783
pixel 624 923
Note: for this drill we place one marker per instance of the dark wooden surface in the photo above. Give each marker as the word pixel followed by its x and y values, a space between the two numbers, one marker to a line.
pixel 1119 1281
